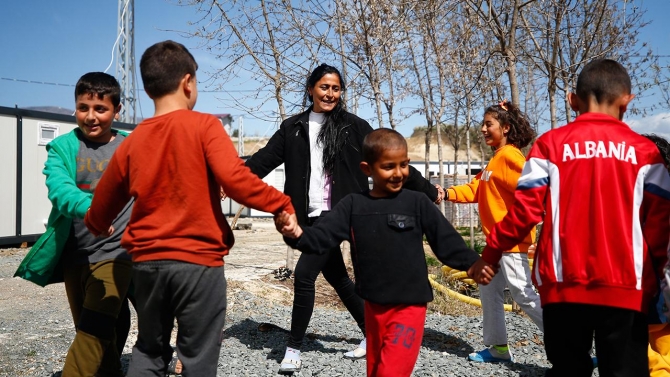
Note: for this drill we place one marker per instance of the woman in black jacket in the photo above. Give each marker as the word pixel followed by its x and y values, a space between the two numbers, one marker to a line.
pixel 321 152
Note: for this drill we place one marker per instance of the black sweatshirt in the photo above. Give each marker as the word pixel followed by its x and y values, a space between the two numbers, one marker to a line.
pixel 386 236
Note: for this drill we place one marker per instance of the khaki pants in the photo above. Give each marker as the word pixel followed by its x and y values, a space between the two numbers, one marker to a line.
pixel 95 293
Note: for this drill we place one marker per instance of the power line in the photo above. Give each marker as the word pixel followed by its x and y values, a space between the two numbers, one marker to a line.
pixel 35 82
pixel 72 86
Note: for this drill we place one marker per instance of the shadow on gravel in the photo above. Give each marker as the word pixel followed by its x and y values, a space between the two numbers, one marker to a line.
pixel 257 335
pixel 440 342
pixel 526 370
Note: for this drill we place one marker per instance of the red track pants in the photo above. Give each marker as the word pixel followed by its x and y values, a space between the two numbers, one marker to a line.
pixel 394 334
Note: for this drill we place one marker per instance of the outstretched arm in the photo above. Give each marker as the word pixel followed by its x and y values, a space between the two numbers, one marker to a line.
pixel 467 193
pixel 329 232
pixel 236 179
pixel 416 182
pixel 525 213
pixel 447 244
pixel 64 194
pixel 269 157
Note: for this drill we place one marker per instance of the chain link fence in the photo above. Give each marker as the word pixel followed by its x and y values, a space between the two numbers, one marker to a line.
pixel 459 215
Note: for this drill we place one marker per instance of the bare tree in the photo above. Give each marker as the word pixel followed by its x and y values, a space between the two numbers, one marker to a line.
pixel 260 43
pixel 662 80
pixel 500 19
pixel 566 34
pixel 427 61
pixel 374 37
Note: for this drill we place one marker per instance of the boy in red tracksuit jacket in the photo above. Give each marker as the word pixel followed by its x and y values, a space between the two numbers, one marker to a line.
pixel 605 196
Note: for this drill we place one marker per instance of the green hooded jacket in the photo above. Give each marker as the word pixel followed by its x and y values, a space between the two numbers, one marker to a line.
pixel 40 265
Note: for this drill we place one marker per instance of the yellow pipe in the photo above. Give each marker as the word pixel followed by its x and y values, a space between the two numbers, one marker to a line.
pixel 459 296
pixel 452 273
pixel 459 275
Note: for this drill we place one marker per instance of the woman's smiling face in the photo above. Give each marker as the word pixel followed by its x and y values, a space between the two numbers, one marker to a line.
pixel 326 93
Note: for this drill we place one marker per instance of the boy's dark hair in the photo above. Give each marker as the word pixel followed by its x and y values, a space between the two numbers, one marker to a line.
pixel 520 131
pixel 663 146
pixel 604 80
pixel 379 140
pixel 99 84
pixel 162 67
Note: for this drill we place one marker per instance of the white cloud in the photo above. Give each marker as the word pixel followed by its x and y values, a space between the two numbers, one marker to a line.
pixel 658 124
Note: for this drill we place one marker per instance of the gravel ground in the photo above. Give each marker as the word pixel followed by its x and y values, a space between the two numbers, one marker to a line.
pixel 36 330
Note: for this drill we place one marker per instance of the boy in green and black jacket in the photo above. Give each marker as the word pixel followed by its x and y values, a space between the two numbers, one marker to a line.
pixel 96 271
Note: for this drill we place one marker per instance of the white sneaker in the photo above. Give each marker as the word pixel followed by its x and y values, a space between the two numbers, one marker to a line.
pixel 289 366
pixel 291 363
pixel 358 353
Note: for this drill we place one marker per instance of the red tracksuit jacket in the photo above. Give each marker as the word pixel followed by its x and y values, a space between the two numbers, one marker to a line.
pixel 604 195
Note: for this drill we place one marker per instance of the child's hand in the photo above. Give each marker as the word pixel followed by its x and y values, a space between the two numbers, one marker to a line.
pixel 482 272
pixel 108 233
pixel 440 194
pixel 281 218
pixel 287 225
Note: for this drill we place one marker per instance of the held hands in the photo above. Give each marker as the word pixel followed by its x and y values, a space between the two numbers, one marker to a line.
pixel 440 194
pixel 482 272
pixel 287 225
pixel 104 234
pixel 108 233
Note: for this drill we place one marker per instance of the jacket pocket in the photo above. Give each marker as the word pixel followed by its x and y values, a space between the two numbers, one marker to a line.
pixel 401 222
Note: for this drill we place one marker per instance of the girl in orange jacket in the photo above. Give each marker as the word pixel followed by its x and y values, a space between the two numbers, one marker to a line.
pixel 506 130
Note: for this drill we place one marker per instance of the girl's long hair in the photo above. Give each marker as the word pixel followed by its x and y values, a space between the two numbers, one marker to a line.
pixel 520 132
pixel 330 136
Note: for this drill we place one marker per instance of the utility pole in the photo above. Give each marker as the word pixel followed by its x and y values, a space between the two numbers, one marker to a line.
pixel 125 60
pixel 240 137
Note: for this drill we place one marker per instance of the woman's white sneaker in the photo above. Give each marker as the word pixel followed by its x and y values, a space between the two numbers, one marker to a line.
pixel 359 352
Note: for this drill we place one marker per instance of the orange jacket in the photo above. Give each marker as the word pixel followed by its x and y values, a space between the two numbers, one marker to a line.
pixel 174 165
pixel 493 189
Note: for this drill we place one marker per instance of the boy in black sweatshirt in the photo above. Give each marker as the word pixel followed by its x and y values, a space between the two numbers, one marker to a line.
pixel 385 227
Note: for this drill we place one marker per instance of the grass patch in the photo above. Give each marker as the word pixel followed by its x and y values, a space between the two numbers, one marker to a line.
pixel 480 239
pixel 446 305
pixel 478 246
pixel 442 303
pixel 431 261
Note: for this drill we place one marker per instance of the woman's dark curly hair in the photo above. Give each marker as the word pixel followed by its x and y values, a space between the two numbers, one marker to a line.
pixel 520 132
pixel 663 146
pixel 329 135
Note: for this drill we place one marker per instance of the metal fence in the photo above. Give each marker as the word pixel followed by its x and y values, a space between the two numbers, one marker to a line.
pixel 459 215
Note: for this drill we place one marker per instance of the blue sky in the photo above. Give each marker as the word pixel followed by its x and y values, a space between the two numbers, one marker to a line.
pixel 55 42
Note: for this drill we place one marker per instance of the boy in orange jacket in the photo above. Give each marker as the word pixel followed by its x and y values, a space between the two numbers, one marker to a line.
pixel 174 165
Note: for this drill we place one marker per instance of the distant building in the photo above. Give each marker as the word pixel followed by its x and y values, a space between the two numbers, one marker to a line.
pixel 227 121
pixel 51 109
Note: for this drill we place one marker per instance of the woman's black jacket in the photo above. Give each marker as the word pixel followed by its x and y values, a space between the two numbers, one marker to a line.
pixel 290 146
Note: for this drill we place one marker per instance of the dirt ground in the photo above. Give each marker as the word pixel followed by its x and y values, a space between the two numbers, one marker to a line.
pixel 256 261
pixel 259 252
pixel 256 264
